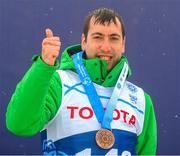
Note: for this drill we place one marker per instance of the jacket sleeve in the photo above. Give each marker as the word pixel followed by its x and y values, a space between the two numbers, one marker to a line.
pixel 147 140
pixel 36 99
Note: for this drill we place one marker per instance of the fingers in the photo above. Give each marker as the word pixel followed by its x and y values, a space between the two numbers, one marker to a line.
pixel 49 33
pixel 49 54
pixel 52 42
pixel 50 47
pixel 54 38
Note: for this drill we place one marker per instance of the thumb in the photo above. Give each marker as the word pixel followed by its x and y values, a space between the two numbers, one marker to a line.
pixel 49 33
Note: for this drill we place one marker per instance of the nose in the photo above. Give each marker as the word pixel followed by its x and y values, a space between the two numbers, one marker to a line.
pixel 106 46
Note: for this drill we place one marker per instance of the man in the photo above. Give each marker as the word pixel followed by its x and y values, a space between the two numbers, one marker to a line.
pixel 110 116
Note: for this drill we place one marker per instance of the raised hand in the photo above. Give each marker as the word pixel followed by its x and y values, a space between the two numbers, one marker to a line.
pixel 50 47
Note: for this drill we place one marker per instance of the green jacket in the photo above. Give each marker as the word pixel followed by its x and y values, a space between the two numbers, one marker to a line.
pixel 37 98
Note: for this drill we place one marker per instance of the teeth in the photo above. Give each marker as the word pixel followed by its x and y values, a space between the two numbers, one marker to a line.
pixel 105 58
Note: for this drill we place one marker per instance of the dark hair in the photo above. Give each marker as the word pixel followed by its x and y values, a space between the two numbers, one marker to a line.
pixel 102 16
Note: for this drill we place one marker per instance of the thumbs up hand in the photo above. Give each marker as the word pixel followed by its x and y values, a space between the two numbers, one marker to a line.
pixel 50 47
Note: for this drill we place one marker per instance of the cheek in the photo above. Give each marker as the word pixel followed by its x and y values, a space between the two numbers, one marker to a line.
pixel 118 54
pixel 91 54
pixel 117 57
pixel 91 51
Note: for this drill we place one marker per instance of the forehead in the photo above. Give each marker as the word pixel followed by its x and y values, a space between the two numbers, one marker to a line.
pixel 106 26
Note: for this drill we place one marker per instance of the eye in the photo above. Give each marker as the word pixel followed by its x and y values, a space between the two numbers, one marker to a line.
pixel 97 37
pixel 114 38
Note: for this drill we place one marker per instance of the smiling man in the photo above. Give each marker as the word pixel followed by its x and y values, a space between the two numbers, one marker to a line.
pixel 104 40
pixel 87 106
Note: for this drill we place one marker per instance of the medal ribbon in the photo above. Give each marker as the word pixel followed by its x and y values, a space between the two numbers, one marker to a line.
pixel 103 117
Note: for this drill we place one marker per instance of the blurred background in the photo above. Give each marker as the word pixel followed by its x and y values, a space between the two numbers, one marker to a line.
pixel 152 47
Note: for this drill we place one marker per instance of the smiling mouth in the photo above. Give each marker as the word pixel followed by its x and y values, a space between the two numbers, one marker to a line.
pixel 106 58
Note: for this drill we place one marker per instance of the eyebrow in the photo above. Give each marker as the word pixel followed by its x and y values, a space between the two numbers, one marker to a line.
pixel 111 35
pixel 116 35
pixel 97 33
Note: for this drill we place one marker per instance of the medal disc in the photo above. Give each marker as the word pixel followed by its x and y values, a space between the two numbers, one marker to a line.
pixel 105 138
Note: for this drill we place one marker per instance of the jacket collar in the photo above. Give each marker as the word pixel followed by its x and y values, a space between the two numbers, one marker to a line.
pixel 95 67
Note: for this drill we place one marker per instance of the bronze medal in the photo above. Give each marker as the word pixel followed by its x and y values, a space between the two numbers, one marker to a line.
pixel 105 138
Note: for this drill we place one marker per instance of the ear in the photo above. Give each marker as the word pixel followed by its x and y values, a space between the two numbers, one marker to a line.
pixel 83 42
pixel 124 45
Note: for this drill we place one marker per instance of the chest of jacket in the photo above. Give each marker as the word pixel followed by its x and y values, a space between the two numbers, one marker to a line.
pixel 75 122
